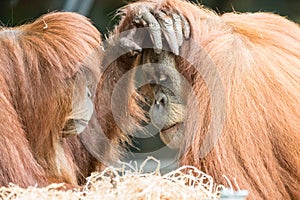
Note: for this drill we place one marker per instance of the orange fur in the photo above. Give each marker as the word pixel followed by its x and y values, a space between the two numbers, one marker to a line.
pixel 37 63
pixel 257 56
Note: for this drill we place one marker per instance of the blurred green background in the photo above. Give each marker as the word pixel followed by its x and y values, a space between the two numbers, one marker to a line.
pixel 14 12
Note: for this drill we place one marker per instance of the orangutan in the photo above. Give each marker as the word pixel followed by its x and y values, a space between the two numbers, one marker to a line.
pixel 48 70
pixel 224 89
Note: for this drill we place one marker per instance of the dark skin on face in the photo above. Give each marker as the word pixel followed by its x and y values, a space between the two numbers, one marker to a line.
pixel 164 94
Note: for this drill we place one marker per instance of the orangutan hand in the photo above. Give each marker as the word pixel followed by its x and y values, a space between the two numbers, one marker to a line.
pixel 163 25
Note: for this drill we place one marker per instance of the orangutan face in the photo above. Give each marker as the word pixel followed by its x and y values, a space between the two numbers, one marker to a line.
pixel 82 107
pixel 164 94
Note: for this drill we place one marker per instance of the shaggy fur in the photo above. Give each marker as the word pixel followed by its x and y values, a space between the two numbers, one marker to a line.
pixel 257 56
pixel 37 64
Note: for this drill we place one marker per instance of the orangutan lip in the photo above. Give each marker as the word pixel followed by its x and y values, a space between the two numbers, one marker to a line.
pixel 170 127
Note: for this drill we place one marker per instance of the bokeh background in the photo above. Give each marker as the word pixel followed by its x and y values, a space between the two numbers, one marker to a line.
pixel 102 12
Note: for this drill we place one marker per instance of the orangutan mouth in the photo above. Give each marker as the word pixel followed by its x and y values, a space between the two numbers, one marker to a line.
pixel 171 129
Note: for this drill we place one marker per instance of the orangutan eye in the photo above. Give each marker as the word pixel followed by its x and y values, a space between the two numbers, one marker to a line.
pixel 163 77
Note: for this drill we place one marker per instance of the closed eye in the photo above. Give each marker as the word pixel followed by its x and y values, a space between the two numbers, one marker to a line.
pixel 89 94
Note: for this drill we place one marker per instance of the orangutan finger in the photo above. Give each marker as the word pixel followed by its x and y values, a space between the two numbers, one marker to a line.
pixel 178 28
pixel 154 26
pixel 131 46
pixel 128 43
pixel 166 23
pixel 185 27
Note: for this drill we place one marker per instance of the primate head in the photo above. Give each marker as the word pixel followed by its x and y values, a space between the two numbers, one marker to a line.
pixel 164 94
pixel 82 107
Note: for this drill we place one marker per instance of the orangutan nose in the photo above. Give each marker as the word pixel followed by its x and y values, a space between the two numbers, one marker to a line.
pixel 158 111
pixel 160 99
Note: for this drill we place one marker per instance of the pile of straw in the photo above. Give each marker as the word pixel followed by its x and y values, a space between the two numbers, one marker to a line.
pixel 127 182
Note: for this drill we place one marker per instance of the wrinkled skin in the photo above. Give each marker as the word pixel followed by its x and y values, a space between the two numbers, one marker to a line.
pixel 164 95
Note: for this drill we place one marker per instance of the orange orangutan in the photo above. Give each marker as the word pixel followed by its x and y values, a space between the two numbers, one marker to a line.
pixel 47 72
pixel 244 73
